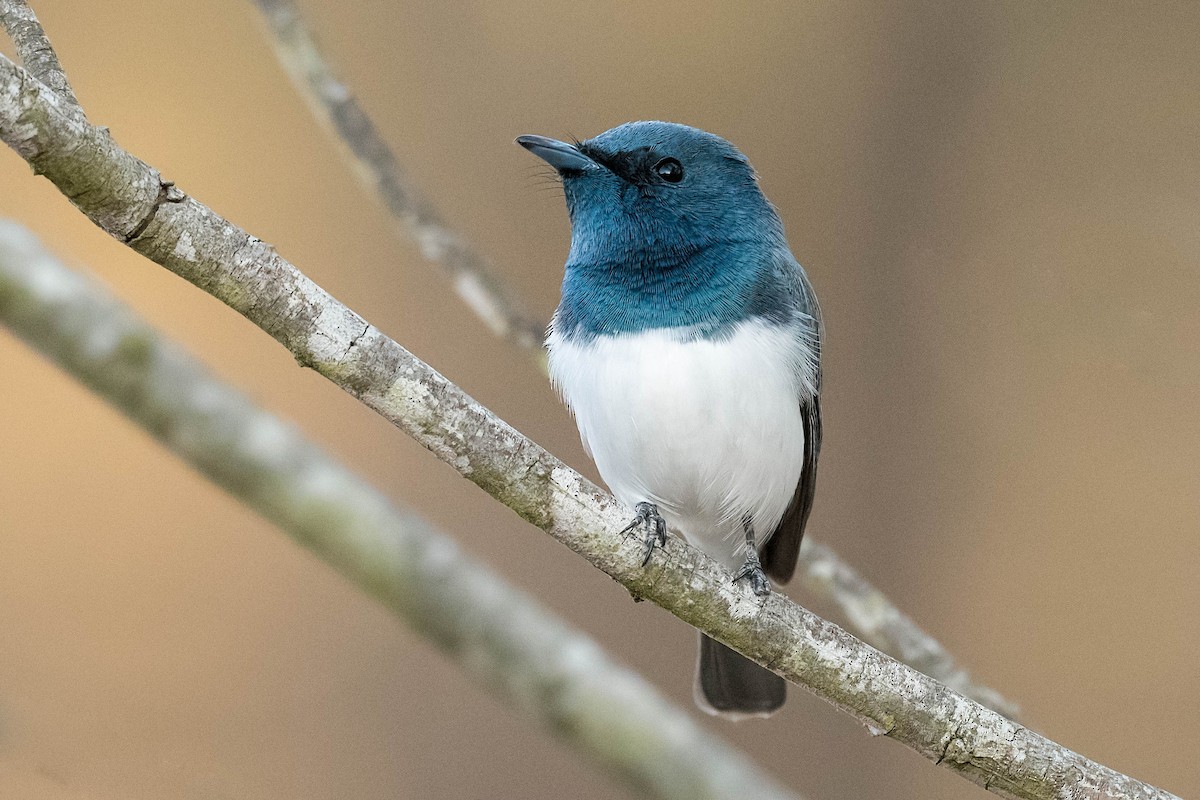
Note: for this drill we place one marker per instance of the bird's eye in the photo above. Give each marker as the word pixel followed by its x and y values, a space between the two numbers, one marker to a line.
pixel 669 170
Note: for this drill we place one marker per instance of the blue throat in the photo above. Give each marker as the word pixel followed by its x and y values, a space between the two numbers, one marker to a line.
pixel 706 288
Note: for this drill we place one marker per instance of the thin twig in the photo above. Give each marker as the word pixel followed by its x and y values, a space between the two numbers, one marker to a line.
pixel 33 46
pixel 531 659
pixel 822 571
pixel 193 241
pixel 473 277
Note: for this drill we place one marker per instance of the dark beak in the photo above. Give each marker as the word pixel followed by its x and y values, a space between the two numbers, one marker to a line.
pixel 560 155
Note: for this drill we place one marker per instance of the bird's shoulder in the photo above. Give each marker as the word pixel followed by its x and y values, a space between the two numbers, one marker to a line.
pixel 784 296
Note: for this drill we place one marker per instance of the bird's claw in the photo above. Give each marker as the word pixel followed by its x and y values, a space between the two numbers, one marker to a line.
pixel 752 570
pixel 647 514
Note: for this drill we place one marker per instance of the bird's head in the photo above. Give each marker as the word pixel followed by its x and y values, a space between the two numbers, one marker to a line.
pixel 654 189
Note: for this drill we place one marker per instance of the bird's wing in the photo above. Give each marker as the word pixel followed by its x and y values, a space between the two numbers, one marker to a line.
pixel 781 550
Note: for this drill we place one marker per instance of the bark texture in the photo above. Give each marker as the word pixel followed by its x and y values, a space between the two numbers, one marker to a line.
pixel 33 46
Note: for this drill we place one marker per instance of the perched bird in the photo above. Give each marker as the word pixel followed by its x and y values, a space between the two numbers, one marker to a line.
pixel 688 345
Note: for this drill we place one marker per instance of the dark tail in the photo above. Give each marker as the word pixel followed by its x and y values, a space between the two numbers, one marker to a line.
pixel 729 684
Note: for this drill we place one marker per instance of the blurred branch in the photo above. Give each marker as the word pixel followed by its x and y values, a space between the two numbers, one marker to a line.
pixel 867 609
pixel 33 46
pixel 473 277
pixel 532 660
pixel 883 625
pixel 188 238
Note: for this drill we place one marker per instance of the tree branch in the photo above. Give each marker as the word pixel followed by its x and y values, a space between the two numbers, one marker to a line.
pixel 473 277
pixel 531 659
pixel 248 275
pixel 33 46
pixel 869 612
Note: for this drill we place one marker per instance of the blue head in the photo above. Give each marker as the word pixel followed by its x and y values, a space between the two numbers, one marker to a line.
pixel 669 229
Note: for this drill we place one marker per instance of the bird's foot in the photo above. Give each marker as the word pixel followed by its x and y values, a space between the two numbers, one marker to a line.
pixel 647 514
pixel 752 570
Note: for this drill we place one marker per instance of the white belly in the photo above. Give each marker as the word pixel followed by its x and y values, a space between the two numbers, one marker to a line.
pixel 709 431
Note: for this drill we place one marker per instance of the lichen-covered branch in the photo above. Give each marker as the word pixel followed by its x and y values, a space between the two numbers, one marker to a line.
pixel 473 277
pixel 191 240
pixel 33 46
pixel 531 659
pixel 868 611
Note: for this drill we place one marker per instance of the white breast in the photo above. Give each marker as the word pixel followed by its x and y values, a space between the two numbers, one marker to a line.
pixel 710 431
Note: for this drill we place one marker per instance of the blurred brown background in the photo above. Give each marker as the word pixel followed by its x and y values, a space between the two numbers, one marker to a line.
pixel 997 202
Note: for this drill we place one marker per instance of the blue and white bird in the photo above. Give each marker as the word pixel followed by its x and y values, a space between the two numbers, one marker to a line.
pixel 688 346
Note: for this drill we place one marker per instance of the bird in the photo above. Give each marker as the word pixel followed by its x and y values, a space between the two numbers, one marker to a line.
pixel 687 345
